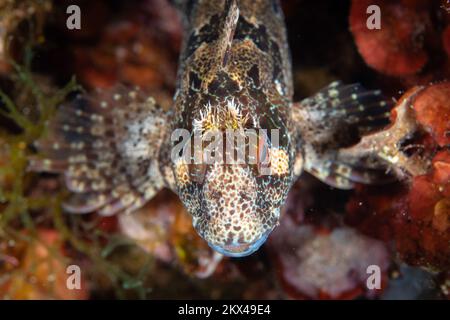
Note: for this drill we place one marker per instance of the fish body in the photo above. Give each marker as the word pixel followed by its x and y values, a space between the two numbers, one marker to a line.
pixel 235 74
pixel 116 149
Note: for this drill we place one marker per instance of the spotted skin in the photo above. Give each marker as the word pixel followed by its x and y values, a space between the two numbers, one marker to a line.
pixel 235 51
pixel 234 74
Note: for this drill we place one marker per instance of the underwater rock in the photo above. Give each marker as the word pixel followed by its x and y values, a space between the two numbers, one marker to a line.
pixel 410 283
pixel 416 217
pixel 150 228
pixel 111 62
pixel 38 269
pixel 132 48
pixel 164 229
pixel 432 106
pixel 318 263
pixel 429 203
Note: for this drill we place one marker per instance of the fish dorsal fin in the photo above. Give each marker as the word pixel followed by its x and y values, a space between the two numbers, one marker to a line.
pixel 230 20
pixel 220 48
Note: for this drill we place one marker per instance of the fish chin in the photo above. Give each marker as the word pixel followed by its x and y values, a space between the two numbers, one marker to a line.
pixel 238 250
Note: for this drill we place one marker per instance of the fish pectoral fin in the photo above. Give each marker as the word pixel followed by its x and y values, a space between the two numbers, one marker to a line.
pixel 113 149
pixel 396 145
pixel 336 118
pixel 342 172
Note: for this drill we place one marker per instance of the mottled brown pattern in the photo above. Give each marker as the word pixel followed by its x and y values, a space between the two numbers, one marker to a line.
pixel 109 154
pixel 234 73
pixel 248 63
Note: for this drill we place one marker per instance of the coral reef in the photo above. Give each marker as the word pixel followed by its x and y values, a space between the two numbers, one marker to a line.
pixel 327 264
pixel 37 270
pixel 408 41
pixel 327 237
pixel 397 47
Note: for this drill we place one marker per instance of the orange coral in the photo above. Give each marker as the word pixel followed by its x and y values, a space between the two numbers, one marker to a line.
pixel 417 214
pixel 432 107
pixel 397 48
pixel 40 274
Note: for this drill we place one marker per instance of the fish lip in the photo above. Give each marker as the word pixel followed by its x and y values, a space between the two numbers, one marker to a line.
pixel 248 248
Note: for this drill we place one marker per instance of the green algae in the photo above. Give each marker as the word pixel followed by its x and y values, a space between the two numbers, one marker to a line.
pixel 23 210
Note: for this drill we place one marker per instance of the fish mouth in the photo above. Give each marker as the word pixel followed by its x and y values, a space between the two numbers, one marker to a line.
pixel 239 249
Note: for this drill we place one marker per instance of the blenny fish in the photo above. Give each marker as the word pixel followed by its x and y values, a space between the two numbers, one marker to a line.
pixel 115 148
